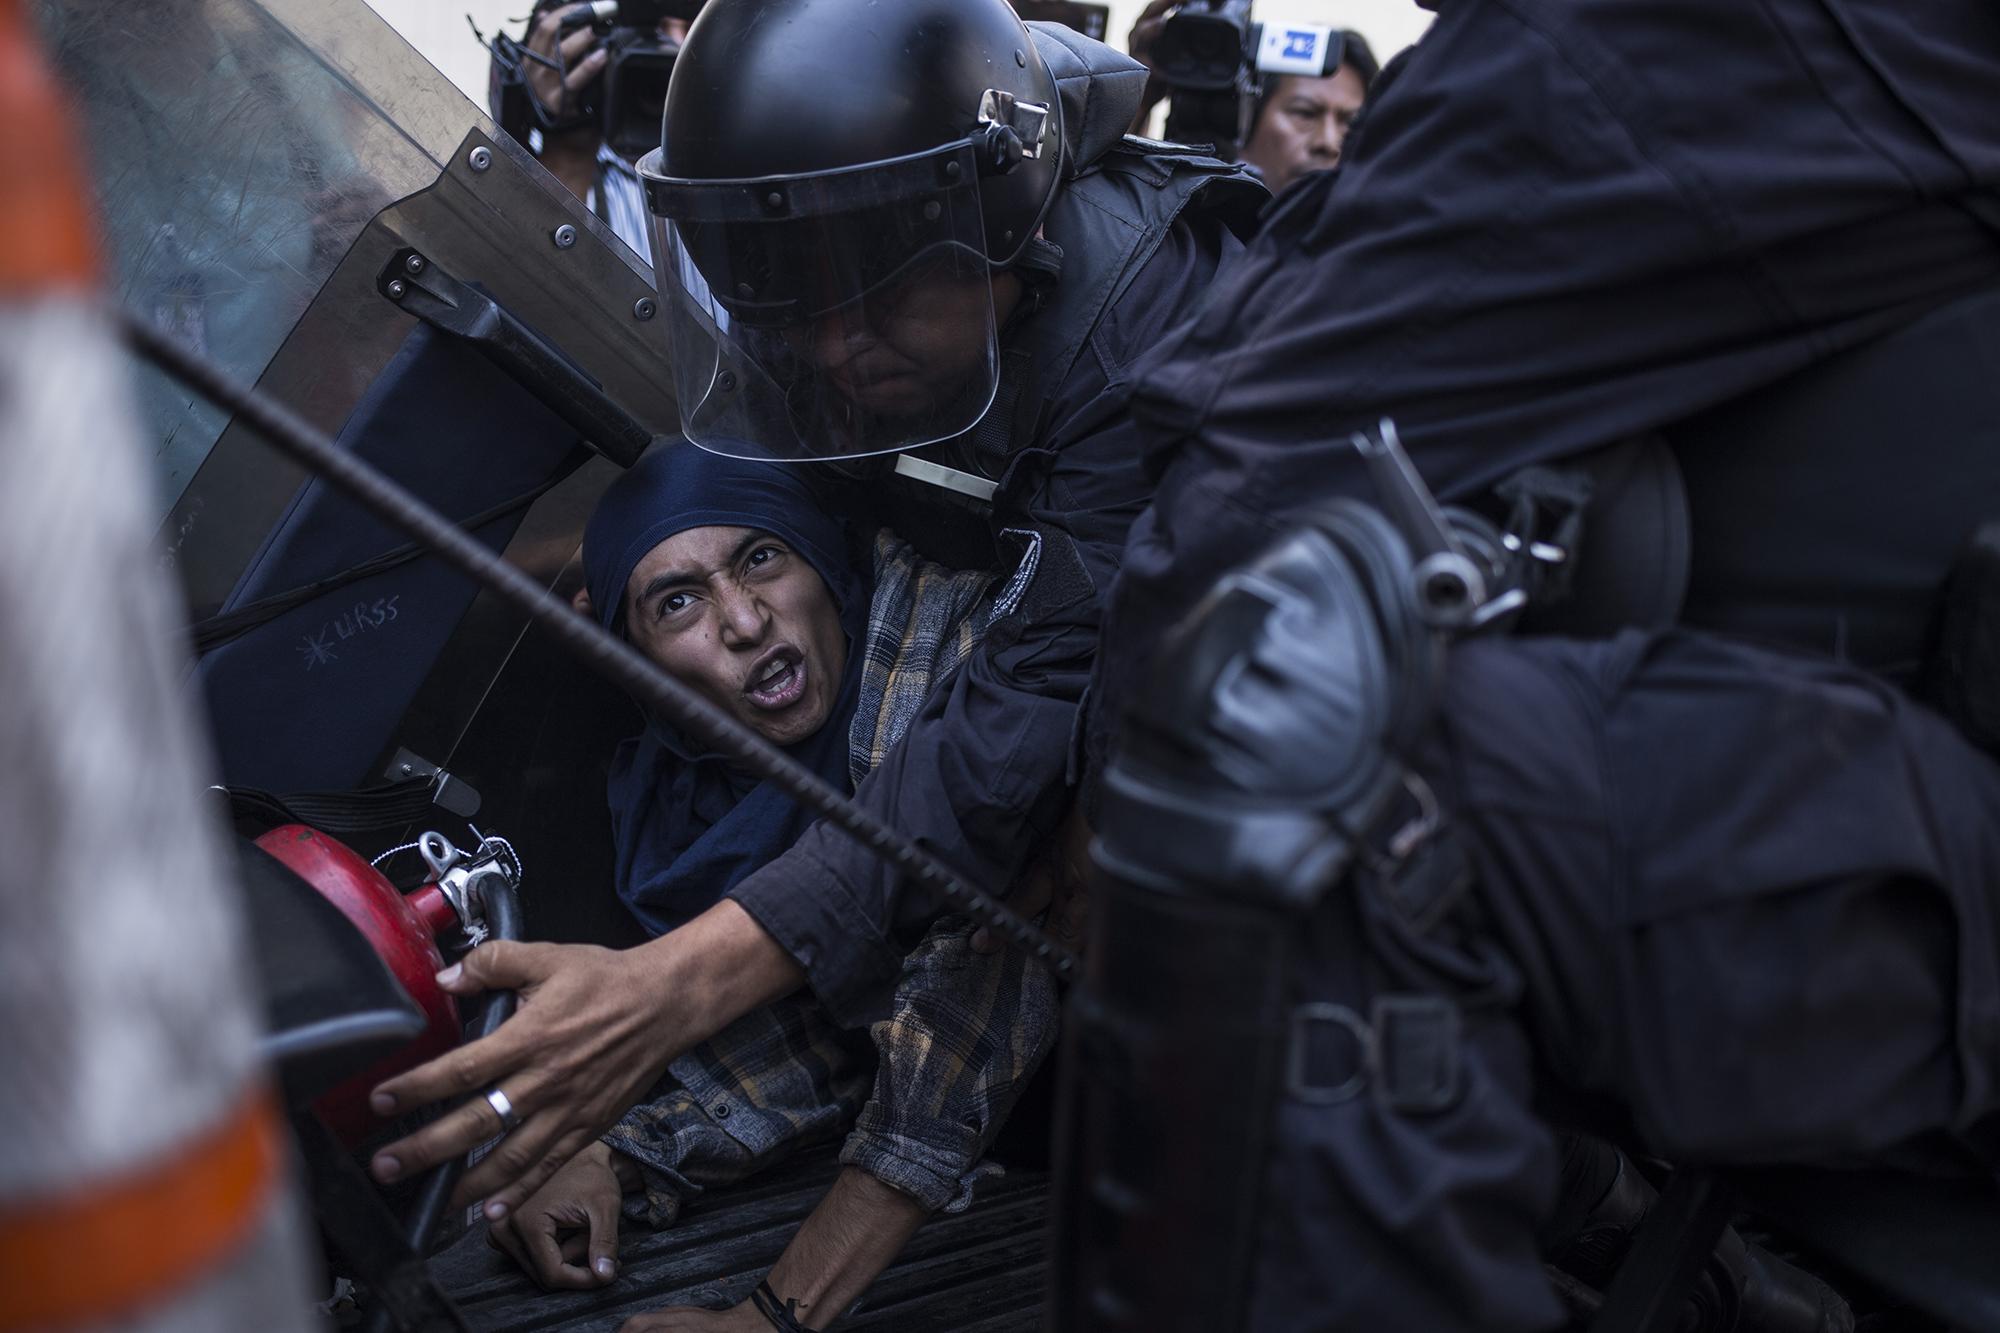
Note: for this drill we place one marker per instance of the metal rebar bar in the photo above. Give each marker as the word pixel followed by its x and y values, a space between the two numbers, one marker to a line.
pixel 597 650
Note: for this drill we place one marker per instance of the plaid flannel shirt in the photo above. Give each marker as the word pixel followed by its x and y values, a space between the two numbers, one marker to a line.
pixel 922 1093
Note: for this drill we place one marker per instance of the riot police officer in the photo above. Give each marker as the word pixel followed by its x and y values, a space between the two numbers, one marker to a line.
pixel 918 229
pixel 939 242
pixel 1738 274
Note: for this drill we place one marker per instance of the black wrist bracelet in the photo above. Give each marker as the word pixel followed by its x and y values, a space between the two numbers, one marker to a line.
pixel 782 1314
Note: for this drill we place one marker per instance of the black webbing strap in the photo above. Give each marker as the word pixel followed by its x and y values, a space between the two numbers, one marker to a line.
pixel 781 1314
pixel 383 809
pixel 995 437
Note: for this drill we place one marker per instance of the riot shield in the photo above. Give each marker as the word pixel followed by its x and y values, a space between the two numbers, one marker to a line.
pixel 261 165
pixel 255 161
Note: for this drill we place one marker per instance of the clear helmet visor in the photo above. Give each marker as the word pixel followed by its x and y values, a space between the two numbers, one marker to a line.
pixel 830 316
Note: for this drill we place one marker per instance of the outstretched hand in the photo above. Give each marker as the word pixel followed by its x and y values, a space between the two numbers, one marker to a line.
pixel 593 1031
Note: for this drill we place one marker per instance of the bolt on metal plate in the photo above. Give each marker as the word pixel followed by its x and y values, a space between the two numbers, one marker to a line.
pixel 480 158
pixel 564 236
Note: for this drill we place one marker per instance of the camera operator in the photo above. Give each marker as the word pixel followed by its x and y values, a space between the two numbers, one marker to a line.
pixel 1297 122
pixel 1300 122
pixel 553 94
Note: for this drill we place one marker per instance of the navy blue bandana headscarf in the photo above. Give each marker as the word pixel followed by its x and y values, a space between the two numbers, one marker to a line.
pixel 686 827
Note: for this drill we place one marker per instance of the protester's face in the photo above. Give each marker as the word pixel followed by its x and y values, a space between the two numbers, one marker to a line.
pixel 1304 125
pixel 900 350
pixel 745 620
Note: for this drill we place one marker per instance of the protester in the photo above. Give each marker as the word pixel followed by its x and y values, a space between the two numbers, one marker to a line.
pixel 730 576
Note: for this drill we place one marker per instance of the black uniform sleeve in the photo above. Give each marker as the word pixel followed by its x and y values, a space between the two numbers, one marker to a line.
pixel 984 772
pixel 1538 244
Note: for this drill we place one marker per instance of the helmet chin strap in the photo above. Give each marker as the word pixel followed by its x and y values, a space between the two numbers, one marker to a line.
pixel 1008 289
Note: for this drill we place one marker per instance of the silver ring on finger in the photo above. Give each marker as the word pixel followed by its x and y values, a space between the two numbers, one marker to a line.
pixel 503 1108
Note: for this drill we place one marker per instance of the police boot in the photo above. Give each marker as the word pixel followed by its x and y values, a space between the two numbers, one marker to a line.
pixel 1601 1201
pixel 1770 1294
pixel 1744 1288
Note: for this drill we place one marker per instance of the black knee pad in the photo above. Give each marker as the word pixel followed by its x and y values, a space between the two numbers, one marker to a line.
pixel 1263 744
pixel 1254 768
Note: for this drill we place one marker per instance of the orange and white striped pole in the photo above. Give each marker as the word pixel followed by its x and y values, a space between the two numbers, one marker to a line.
pixel 141 1153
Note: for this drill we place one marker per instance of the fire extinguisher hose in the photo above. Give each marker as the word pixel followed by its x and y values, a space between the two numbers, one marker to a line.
pixel 503 921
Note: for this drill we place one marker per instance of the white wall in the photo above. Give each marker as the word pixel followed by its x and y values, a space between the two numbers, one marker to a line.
pixel 1389 25
pixel 437 28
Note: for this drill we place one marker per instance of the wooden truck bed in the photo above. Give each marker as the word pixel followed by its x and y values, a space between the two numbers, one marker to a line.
pixel 983 1270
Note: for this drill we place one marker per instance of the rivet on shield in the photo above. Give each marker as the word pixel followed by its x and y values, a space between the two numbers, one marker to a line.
pixel 415 264
pixel 396 289
pixel 564 236
pixel 480 158
pixel 643 308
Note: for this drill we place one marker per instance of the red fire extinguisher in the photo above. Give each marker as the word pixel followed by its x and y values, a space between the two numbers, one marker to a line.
pixel 467 895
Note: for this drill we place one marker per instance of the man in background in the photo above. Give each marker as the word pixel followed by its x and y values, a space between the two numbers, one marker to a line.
pixel 1298 124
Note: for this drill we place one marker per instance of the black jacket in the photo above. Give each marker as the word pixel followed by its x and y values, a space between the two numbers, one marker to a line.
pixel 1560 224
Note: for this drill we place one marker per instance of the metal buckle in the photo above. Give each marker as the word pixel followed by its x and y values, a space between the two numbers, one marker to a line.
pixel 1408 1048
pixel 462 876
pixel 1423 825
pixel 1304 1018
pixel 1547 553
pixel 1029 120
pixel 1416 1052
pixel 1425 873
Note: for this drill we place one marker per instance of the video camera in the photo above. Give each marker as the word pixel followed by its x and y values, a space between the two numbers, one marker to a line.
pixel 626 103
pixel 632 98
pixel 1214 58
pixel 1093 21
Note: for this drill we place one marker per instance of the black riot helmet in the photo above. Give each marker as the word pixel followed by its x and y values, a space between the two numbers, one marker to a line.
pixel 837 182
